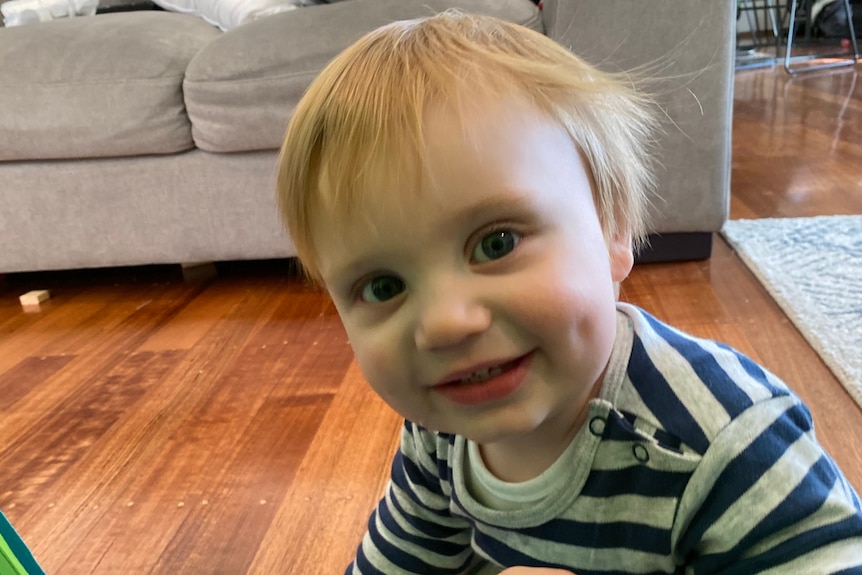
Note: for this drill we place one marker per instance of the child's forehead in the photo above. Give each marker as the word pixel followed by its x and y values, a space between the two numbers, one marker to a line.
pixel 384 181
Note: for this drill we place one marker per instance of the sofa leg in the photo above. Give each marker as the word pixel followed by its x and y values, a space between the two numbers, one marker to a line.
pixel 199 271
pixel 676 247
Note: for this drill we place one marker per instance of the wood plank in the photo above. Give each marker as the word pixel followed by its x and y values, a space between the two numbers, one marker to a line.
pixel 322 518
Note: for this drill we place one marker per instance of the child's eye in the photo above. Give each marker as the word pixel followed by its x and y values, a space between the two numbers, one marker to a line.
pixel 495 245
pixel 381 288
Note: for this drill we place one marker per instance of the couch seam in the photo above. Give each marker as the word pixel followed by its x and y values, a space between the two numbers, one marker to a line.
pixel 247 80
pixel 158 80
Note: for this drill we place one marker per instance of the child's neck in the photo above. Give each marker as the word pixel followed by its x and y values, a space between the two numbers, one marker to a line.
pixel 525 457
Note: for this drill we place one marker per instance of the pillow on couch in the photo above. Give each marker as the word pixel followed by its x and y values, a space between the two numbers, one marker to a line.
pixel 227 14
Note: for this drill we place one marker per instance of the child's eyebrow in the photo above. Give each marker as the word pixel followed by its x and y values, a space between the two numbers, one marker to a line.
pixel 498 205
pixel 342 275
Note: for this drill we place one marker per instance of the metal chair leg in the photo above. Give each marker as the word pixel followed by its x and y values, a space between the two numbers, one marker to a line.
pixel 852 58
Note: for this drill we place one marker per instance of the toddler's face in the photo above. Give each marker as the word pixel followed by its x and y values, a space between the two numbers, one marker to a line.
pixel 482 303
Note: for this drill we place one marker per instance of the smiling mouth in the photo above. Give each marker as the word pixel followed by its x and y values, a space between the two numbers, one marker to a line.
pixel 487 385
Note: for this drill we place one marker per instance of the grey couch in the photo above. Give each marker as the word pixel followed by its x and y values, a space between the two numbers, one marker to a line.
pixel 151 137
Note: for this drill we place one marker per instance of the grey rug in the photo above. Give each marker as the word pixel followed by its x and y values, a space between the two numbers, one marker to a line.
pixel 813 269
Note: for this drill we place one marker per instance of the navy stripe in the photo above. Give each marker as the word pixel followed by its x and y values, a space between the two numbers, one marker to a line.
pixel 637 480
pixel 430 528
pixel 362 563
pixel 668 441
pixel 444 472
pixel 720 384
pixel 619 427
pixel 741 473
pixel 416 474
pixel 603 535
pixel 662 400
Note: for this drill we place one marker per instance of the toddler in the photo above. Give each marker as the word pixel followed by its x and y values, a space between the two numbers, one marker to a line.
pixel 471 195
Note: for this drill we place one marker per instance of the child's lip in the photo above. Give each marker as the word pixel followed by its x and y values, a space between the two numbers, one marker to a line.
pixel 491 389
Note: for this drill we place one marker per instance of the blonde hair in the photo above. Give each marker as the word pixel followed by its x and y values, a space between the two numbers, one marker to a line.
pixel 364 114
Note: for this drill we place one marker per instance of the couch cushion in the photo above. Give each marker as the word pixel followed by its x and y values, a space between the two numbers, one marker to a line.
pixel 107 85
pixel 242 88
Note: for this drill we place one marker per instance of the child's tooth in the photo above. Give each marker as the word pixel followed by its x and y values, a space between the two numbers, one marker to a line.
pixel 482 375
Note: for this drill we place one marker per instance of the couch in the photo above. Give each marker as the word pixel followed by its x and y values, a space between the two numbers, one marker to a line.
pixel 151 137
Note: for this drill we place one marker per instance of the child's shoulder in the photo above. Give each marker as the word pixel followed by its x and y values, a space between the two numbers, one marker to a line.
pixel 691 386
pixel 661 351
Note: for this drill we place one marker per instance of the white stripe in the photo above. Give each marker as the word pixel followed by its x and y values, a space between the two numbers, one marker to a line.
pixel 729 362
pixel 630 401
pixel 655 512
pixel 698 400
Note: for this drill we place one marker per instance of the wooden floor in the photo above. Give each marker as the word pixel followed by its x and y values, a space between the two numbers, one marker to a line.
pixel 154 426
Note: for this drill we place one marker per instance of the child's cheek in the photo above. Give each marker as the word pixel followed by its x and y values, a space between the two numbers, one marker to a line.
pixel 377 369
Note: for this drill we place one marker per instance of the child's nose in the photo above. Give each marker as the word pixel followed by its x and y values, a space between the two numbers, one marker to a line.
pixel 449 319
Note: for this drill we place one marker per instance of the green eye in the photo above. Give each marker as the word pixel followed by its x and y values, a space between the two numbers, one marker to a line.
pixel 495 245
pixel 382 288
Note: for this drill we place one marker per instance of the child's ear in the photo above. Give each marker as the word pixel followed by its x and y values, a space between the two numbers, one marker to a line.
pixel 622 257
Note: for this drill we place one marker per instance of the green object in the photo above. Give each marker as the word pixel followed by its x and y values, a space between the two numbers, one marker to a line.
pixel 15 558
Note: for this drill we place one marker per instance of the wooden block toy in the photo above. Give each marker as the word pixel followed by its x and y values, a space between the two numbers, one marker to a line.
pixel 30 301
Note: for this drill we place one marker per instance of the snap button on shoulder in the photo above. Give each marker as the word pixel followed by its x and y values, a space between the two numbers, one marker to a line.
pixel 640 452
pixel 597 426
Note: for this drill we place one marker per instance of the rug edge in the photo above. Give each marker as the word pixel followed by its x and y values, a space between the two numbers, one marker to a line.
pixel 847 380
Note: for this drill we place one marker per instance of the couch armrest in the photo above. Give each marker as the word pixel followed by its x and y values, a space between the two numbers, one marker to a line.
pixel 689 45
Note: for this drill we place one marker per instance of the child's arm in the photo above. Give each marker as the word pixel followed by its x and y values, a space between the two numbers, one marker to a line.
pixel 767 498
pixel 412 531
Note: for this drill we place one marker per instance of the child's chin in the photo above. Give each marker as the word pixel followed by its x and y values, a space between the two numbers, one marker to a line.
pixel 496 433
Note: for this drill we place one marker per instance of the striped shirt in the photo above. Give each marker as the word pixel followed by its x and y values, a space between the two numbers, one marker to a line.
pixel 694 459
